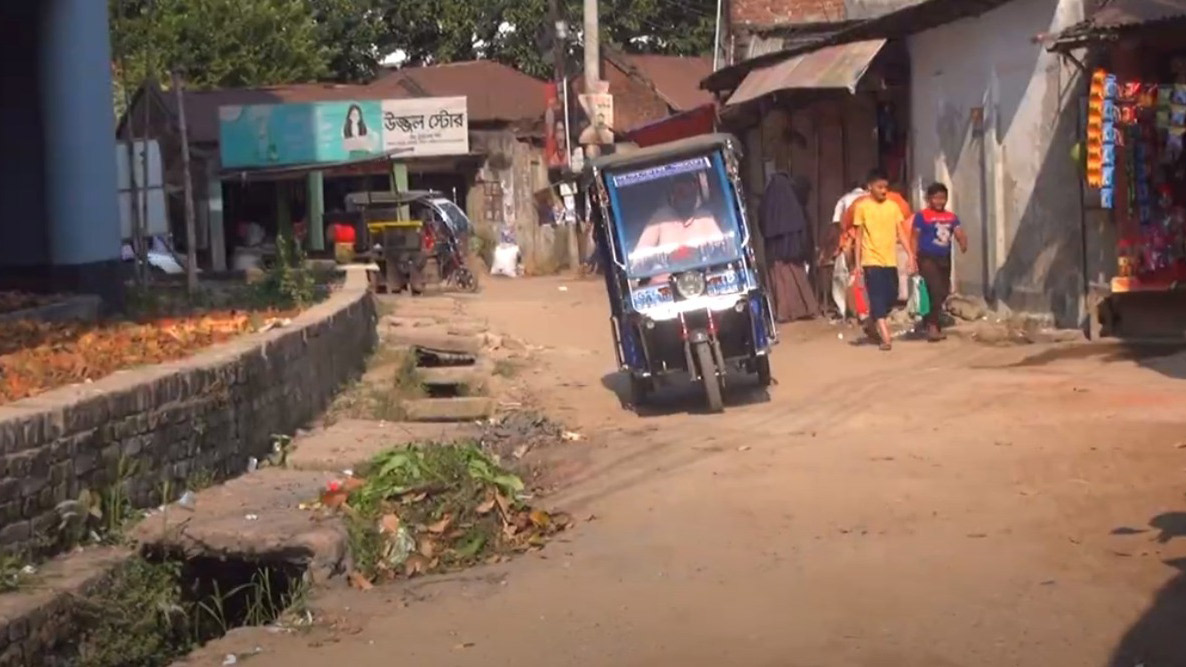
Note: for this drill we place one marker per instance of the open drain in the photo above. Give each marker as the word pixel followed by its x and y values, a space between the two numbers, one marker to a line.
pixel 236 593
pixel 452 385
pixel 156 609
pixel 429 358
pixel 446 390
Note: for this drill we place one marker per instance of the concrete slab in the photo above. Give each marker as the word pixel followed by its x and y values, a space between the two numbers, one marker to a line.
pixel 466 409
pixel 350 443
pixel 436 338
pixel 463 328
pixel 406 306
pixel 454 376
pixel 43 613
pixel 255 517
pixel 396 322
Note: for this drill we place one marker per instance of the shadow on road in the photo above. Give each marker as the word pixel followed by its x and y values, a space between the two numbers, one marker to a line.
pixel 1164 358
pixel 1158 638
pixel 685 396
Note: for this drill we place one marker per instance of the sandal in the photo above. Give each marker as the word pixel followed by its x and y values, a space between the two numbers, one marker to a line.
pixel 885 347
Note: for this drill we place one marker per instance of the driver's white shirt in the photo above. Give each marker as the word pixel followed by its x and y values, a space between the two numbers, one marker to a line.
pixel 668 231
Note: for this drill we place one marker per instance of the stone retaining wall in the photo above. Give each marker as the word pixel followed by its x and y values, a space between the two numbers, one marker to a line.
pixel 165 423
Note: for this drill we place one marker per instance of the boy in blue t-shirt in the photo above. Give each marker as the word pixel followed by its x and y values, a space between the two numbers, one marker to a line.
pixel 934 228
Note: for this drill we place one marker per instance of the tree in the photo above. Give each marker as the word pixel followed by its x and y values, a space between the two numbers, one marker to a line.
pixel 234 43
pixel 510 30
pixel 351 32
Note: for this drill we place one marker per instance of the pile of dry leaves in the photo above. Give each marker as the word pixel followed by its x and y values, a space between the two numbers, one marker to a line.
pixel 39 356
pixel 435 508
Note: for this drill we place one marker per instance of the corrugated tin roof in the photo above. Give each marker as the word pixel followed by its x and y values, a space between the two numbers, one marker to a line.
pixel 675 78
pixel 201 106
pixel 767 47
pixel 1120 15
pixel 495 92
pixel 832 67
pixel 902 22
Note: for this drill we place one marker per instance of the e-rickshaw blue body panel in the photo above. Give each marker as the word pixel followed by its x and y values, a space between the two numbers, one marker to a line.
pixel 685 292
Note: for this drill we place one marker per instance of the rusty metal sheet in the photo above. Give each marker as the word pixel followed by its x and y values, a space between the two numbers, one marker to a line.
pixel 1116 16
pixel 837 67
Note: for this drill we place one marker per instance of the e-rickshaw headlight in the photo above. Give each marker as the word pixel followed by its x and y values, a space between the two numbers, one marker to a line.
pixel 690 284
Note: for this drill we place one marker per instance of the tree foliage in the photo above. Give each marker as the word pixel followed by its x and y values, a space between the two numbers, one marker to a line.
pixel 351 32
pixel 230 43
pixel 223 43
pixel 511 31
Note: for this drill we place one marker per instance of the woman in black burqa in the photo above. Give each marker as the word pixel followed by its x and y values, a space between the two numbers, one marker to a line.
pixel 789 244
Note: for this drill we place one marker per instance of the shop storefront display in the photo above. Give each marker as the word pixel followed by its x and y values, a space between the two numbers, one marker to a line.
pixel 1136 162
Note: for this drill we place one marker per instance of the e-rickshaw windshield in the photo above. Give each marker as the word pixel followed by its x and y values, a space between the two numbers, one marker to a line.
pixel 674 216
pixel 454 216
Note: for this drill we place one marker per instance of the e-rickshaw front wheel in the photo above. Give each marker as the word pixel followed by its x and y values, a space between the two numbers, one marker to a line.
pixel 640 390
pixel 708 376
pixel 762 367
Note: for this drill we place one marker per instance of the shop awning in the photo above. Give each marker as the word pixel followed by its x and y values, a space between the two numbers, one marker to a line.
pixel 287 171
pixel 838 67
pixel 701 120
pixel 1115 17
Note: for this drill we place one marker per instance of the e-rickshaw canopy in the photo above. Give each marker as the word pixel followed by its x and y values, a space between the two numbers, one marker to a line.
pixel 698 144
pixel 356 200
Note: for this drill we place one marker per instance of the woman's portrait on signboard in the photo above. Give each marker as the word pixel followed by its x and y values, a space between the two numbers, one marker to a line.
pixel 356 137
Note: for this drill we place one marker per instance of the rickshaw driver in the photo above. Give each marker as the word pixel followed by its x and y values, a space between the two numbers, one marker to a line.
pixel 678 226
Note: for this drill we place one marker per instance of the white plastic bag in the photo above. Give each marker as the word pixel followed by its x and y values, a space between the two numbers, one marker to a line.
pixel 903 274
pixel 912 302
pixel 505 261
pixel 840 279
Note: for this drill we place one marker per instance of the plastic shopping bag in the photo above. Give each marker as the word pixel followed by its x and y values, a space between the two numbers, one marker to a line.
pixel 860 298
pixel 840 281
pixel 924 298
pixel 912 298
pixel 919 302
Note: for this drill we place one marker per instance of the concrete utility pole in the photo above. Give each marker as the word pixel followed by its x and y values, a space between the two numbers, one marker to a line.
pixel 557 39
pixel 716 40
pixel 592 64
pixel 559 56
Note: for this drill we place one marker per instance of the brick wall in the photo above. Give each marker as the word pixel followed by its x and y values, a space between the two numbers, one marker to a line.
pixel 210 412
pixel 635 102
pixel 768 13
pixel 503 194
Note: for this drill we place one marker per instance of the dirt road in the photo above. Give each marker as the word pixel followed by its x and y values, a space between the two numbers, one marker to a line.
pixel 941 505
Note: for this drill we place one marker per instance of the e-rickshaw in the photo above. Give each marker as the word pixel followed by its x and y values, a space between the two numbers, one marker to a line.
pixel 436 232
pixel 684 289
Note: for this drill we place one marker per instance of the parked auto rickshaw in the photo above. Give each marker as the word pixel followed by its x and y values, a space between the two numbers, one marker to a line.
pixel 410 249
pixel 685 294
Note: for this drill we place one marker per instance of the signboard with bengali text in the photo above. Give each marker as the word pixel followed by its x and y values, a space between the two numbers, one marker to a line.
pixel 280 135
pixel 426 126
